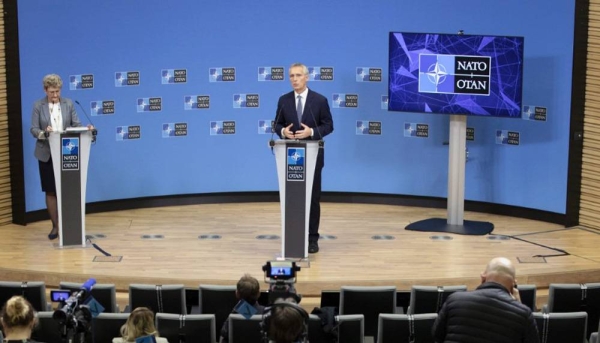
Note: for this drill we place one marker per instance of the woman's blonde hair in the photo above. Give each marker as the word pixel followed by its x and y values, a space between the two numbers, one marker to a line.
pixel 139 324
pixel 52 80
pixel 18 312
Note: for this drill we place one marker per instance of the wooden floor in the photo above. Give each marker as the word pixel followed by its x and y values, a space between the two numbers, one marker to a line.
pixel 354 257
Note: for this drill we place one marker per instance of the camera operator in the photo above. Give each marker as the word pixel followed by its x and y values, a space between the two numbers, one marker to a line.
pixel 18 319
pixel 247 292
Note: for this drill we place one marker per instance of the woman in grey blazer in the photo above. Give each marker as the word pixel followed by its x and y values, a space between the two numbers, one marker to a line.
pixel 50 114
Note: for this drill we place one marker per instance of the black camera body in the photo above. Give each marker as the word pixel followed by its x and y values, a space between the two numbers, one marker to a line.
pixel 281 277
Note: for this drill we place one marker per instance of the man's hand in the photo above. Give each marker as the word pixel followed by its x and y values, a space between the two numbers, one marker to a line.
pixel 515 294
pixel 304 133
pixel 288 133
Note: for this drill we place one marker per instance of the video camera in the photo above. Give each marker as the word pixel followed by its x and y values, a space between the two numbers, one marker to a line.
pixel 281 277
pixel 72 315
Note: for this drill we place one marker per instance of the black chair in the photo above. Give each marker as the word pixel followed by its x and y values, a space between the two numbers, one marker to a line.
pixel 330 299
pixel 528 296
pixel 242 330
pixel 105 294
pixel 217 300
pixel 315 330
pixel 33 291
pixel 561 327
pixel 429 299
pixel 198 328
pixel 158 298
pixel 351 328
pixel 594 338
pixel 107 326
pixel 402 328
pixel 368 301
pixel 575 298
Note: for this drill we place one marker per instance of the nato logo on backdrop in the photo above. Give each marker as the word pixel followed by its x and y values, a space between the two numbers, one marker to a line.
pixel 365 127
pixel 384 102
pixel 320 73
pixel 172 76
pixel 270 73
pixel 129 132
pixel 196 102
pixel 265 127
pixel 365 74
pixel 506 137
pixel 344 100
pixel 221 74
pixel 536 113
pixel 245 100
pixel 454 74
pixel 102 107
pixel 416 130
pixel 70 153
pixel 174 130
pixel 222 127
pixel 127 78
pixel 295 164
pixel 149 104
pixel 84 81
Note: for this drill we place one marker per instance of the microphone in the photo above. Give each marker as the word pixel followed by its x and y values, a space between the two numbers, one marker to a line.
pixel 272 142
pixel 321 142
pixel 85 289
pixel 94 131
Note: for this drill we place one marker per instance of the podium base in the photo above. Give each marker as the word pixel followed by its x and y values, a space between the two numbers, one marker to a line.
pixel 469 227
pixel 301 262
pixel 57 246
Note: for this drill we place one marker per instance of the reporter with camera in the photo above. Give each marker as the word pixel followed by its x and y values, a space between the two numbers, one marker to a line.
pixel 247 291
pixel 18 319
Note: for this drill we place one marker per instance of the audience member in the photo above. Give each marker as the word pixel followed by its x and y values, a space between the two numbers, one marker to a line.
pixel 18 319
pixel 492 313
pixel 247 291
pixel 287 322
pixel 139 324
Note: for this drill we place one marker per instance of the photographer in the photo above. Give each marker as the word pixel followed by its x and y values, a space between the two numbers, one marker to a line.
pixel 247 292
pixel 18 319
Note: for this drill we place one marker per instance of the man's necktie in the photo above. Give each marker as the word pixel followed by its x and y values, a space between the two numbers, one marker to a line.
pixel 299 108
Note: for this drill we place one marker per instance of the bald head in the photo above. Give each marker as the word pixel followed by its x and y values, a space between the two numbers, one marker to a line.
pixel 500 270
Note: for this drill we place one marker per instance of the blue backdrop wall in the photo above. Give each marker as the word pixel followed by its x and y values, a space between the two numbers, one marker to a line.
pixel 109 38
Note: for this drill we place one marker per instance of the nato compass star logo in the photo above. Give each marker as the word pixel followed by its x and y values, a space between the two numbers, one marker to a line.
pixel 95 108
pixel 362 127
pixel 215 129
pixel 409 130
pixel 214 74
pixel 69 147
pixel 338 100
pixel 529 113
pixel 501 138
pixel 189 102
pixel 264 127
pixel 75 83
pixel 436 73
pixel 313 75
pixel 168 131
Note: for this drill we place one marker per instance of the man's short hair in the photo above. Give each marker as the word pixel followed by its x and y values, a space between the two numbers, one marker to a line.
pixel 248 289
pixel 287 322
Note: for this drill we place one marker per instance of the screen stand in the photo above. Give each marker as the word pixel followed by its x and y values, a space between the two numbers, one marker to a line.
pixel 455 222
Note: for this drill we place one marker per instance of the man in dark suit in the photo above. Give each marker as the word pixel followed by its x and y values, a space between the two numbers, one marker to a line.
pixel 304 114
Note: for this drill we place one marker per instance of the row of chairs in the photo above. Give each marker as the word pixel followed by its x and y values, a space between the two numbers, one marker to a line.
pixel 368 301
pixel 398 328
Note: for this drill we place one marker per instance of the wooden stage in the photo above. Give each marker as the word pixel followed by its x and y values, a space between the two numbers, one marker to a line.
pixel 354 257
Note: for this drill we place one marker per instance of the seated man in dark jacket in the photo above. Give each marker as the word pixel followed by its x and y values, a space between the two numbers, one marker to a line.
pixel 492 313
pixel 247 291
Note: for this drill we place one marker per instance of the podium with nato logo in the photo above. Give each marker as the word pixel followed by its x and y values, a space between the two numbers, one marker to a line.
pixel 296 162
pixel 70 151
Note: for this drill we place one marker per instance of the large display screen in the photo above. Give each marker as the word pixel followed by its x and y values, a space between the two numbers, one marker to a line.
pixel 456 74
